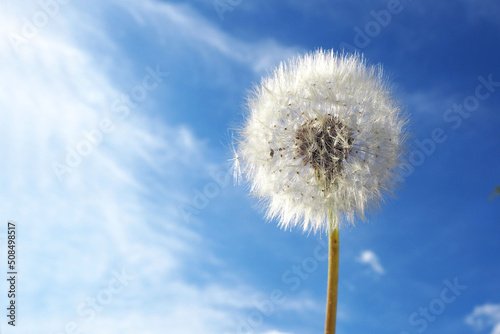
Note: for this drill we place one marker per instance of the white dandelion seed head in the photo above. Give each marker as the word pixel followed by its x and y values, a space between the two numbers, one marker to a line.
pixel 322 137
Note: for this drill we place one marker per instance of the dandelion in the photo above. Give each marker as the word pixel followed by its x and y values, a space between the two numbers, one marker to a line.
pixel 321 144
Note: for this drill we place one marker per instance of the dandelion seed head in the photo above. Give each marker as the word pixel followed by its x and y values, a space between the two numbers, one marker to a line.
pixel 322 135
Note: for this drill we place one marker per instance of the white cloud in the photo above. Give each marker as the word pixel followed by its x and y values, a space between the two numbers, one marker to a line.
pixel 109 214
pixel 371 259
pixel 74 233
pixel 484 317
pixel 195 30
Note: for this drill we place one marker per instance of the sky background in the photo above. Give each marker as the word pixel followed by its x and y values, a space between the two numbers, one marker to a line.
pixel 145 232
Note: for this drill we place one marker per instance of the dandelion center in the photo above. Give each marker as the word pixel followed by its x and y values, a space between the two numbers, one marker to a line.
pixel 324 145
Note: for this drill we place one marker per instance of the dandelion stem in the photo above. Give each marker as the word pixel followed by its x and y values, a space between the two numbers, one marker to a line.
pixel 333 280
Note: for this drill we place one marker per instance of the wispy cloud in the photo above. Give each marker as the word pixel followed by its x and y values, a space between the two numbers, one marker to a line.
pixel 195 30
pixel 484 317
pixel 76 233
pixel 115 212
pixel 371 259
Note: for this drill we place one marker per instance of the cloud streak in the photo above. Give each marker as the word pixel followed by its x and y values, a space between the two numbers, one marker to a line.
pixel 369 258
pixel 201 34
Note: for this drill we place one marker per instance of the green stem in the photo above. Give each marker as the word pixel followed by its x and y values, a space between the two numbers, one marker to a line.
pixel 333 280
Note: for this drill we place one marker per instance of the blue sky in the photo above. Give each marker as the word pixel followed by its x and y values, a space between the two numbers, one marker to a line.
pixel 117 121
